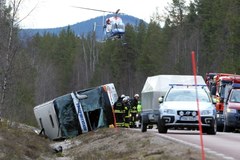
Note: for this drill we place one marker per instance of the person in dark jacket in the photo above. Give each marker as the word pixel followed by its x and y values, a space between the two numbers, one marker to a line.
pixel 119 111
pixel 126 104
pixel 133 110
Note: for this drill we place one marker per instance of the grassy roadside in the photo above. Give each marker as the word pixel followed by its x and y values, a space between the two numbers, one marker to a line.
pixel 20 142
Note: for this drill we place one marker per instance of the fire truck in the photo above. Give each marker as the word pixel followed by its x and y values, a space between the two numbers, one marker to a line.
pixel 211 78
pixel 217 87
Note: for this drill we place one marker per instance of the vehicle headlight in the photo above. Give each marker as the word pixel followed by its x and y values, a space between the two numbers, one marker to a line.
pixel 229 110
pixel 206 112
pixel 194 113
pixel 181 113
pixel 169 111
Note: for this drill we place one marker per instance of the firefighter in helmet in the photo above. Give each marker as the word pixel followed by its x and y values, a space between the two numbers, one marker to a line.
pixel 126 104
pixel 119 111
pixel 133 110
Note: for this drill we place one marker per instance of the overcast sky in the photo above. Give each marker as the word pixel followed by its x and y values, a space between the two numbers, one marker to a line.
pixel 58 13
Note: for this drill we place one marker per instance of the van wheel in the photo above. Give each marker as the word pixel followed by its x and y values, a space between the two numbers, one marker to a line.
pixel 161 127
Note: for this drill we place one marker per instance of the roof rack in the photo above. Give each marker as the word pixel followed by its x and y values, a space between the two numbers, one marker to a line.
pixel 198 85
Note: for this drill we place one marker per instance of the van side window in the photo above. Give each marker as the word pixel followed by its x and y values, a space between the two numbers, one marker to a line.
pixel 50 116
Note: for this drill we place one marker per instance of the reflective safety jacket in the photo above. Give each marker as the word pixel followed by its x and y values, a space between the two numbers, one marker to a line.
pixel 139 107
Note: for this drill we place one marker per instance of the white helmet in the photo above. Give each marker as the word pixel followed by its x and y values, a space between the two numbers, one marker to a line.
pixel 122 96
pixel 125 99
pixel 136 95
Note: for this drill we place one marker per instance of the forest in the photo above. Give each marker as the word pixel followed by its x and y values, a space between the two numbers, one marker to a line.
pixel 41 68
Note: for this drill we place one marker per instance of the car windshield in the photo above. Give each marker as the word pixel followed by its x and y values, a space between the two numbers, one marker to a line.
pixel 235 96
pixel 187 95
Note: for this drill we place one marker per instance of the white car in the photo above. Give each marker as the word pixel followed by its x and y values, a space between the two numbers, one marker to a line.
pixel 179 109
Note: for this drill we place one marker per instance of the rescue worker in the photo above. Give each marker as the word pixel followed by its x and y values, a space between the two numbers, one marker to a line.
pixel 133 110
pixel 119 111
pixel 108 25
pixel 135 100
pixel 139 107
pixel 213 90
pixel 126 105
pixel 139 110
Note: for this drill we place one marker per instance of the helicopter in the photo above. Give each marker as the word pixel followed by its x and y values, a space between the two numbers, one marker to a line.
pixel 114 28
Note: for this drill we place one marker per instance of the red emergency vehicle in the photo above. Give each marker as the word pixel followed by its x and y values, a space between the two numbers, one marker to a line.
pixel 216 83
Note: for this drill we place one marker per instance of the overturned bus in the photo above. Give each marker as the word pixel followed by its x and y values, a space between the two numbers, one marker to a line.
pixel 77 112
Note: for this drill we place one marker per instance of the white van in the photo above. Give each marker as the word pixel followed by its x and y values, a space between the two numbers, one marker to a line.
pixel 155 87
pixel 77 112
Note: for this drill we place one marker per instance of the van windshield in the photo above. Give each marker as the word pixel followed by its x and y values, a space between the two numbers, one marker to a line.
pixel 187 95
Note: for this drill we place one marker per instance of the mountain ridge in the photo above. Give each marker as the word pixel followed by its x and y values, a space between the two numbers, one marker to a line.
pixel 81 28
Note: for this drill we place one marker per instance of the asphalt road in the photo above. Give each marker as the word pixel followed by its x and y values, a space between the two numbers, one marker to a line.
pixel 225 145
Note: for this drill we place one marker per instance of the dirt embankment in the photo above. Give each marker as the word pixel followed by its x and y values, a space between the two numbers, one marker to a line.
pixel 21 142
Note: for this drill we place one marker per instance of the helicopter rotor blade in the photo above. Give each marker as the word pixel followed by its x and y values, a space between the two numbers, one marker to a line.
pixel 98 10
pixel 117 11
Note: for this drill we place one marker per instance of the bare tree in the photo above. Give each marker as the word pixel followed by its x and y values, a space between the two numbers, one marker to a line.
pixel 7 52
pixel 9 45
